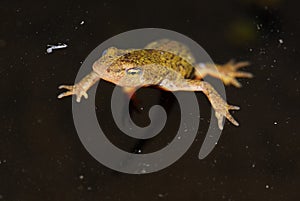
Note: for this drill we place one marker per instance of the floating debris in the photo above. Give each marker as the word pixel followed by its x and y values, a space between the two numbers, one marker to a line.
pixel 55 47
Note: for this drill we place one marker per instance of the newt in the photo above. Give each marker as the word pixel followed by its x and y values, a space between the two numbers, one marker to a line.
pixel 167 64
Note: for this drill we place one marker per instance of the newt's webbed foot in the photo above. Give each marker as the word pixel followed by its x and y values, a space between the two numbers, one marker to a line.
pixel 229 72
pixel 222 110
pixel 73 90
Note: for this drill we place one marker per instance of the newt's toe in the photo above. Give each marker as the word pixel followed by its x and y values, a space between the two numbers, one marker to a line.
pixel 73 90
pixel 220 113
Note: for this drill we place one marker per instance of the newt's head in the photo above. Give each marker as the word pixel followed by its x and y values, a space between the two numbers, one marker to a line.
pixel 115 67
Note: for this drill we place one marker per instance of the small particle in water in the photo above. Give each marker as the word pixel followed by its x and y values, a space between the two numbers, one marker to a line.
pixel 139 151
pixel 253 165
pixel 160 195
pixel 54 47
pixel 250 49
pixel 81 177
pixel 82 22
pixel 267 186
pixel 280 41
pixel 89 188
pixel 258 26
pixel 275 123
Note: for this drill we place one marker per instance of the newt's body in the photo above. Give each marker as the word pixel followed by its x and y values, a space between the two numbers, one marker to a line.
pixel 164 63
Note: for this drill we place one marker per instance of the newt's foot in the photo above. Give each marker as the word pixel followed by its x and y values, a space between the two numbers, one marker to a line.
pixel 222 110
pixel 229 72
pixel 73 90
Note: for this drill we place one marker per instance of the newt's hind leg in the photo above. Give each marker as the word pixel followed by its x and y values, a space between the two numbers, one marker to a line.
pixel 227 72
pixel 218 103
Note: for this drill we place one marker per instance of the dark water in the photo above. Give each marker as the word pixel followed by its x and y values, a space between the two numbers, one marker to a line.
pixel 41 156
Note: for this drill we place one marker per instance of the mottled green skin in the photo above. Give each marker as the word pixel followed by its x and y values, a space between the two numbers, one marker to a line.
pixel 174 47
pixel 158 61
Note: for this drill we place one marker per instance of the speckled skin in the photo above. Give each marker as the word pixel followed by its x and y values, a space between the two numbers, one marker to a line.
pixel 151 68
pixel 164 63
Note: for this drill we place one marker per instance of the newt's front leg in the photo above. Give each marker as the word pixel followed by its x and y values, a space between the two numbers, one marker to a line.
pixel 227 72
pixel 218 103
pixel 81 87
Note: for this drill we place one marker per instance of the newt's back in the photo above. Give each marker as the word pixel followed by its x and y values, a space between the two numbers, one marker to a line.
pixel 162 62
pixel 174 47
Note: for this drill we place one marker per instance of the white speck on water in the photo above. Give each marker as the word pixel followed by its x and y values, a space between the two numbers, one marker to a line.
pixel 82 22
pixel 179 137
pixel 54 47
pixel 275 123
pixel 81 177
pixel 139 151
pixel 3 161
pixel 160 195
pixel 89 188
pixel 267 186
pixel 250 49
pixel 253 165
pixel 280 41
pixel 258 27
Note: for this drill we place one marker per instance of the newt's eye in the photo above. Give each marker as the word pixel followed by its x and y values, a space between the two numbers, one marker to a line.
pixel 104 52
pixel 134 71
